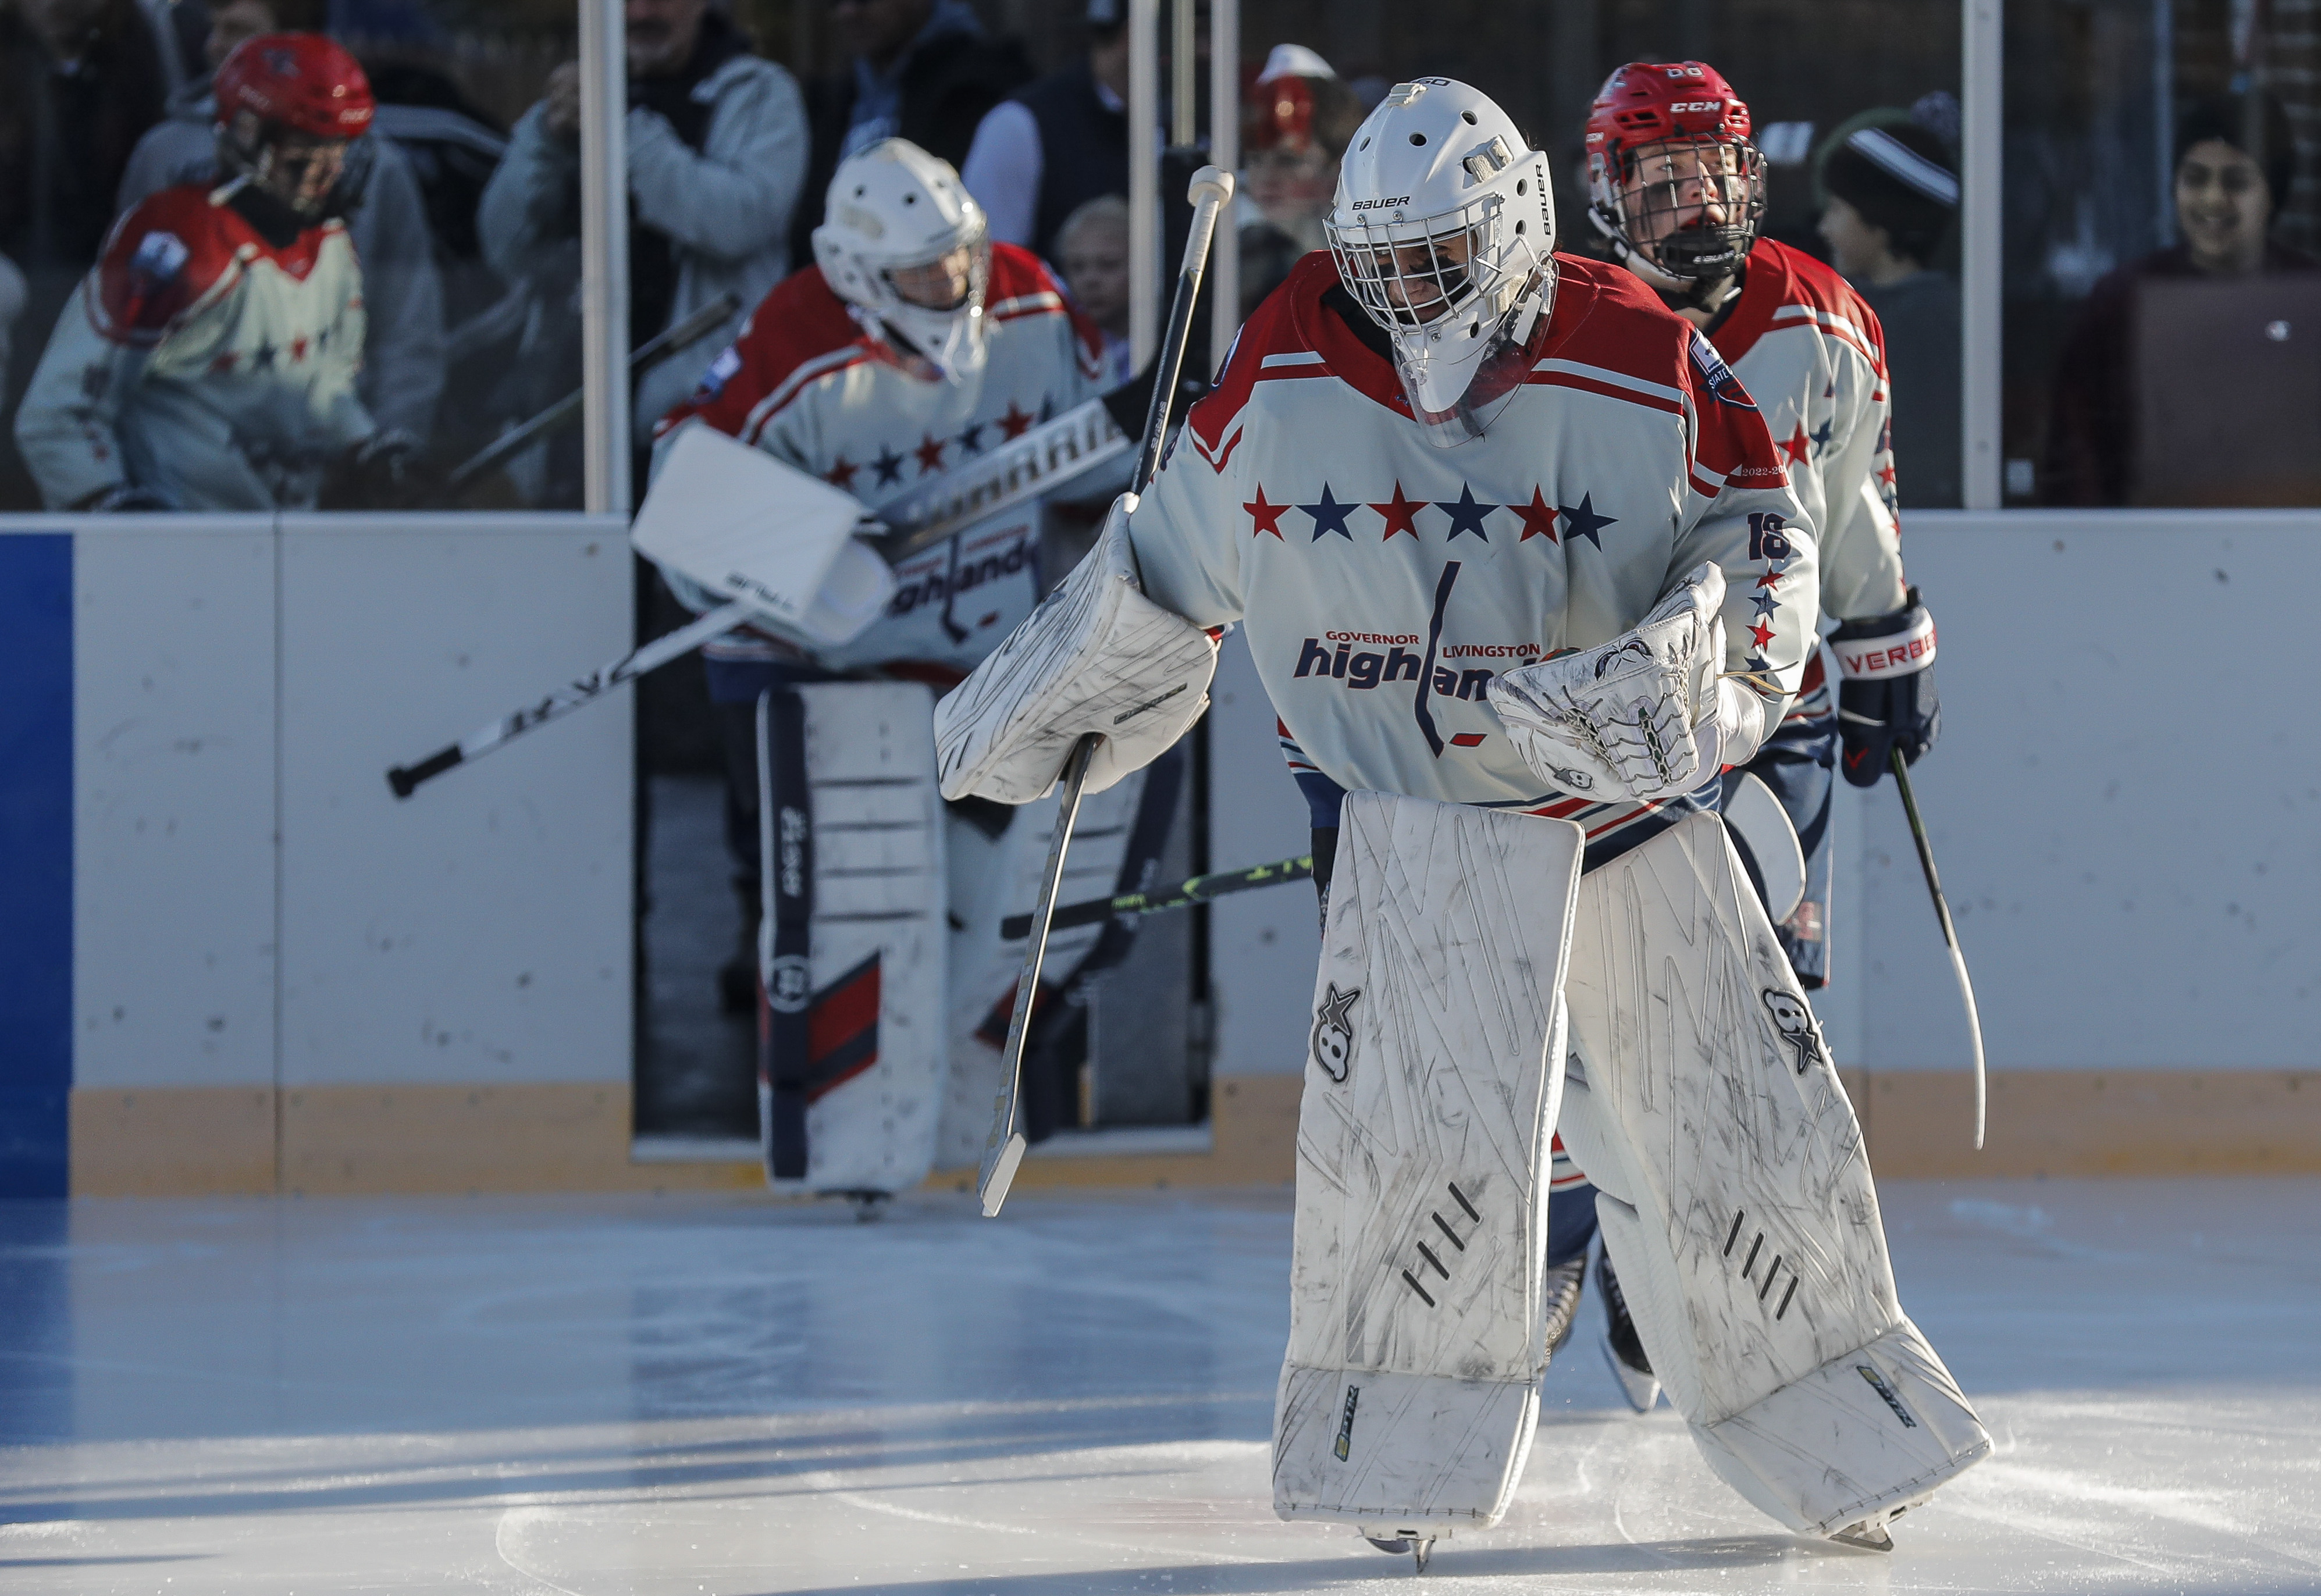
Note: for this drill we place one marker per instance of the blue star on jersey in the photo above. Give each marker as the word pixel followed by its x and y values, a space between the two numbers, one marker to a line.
pixel 1467 515
pixel 889 466
pixel 1330 516
pixel 1580 521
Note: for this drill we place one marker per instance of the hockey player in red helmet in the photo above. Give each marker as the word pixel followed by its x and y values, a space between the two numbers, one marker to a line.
pixel 208 361
pixel 1678 190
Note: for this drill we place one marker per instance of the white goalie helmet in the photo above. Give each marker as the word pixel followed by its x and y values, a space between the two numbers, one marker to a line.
pixel 905 244
pixel 1443 227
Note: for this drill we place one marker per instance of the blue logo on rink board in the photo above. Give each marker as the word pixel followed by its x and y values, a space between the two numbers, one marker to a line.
pixel 36 861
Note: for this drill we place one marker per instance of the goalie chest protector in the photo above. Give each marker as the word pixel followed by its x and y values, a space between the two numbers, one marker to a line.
pixel 852 1058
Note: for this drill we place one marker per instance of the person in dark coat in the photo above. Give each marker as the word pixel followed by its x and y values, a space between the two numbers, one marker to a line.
pixel 2234 160
pixel 919 69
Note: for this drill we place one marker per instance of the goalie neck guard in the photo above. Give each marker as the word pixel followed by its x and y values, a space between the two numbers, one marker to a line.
pixel 1443 228
pixel 906 246
pixel 1673 182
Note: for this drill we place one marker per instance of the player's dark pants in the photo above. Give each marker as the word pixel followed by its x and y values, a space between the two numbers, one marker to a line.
pixel 733 688
pixel 1799 762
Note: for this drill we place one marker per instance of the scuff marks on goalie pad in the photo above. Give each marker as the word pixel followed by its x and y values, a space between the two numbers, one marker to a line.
pixel 1410 1389
pixel 1735 1199
pixel 853 1058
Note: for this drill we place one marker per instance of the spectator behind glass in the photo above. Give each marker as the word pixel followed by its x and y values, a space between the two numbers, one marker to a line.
pixel 1092 246
pixel 1892 197
pixel 717 150
pixel 2225 198
pixel 1296 127
pixel 403 294
pixel 918 69
pixel 208 361
pixel 1042 156
pixel 79 81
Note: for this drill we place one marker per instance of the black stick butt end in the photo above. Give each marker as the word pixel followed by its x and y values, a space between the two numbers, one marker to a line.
pixel 405 778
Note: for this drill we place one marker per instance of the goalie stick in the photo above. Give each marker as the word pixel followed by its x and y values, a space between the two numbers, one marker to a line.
pixel 1901 767
pixel 1003 1154
pixel 1042 461
pixel 1192 889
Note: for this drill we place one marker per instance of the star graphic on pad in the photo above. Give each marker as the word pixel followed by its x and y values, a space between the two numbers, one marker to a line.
pixel 889 466
pixel 930 452
pixel 1582 522
pixel 1016 422
pixel 1330 516
pixel 1401 514
pixel 1797 446
pixel 1467 515
pixel 1538 518
pixel 1265 517
pixel 841 475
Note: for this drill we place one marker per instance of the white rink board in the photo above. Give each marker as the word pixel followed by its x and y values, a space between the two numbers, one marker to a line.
pixel 173 801
pixel 479 929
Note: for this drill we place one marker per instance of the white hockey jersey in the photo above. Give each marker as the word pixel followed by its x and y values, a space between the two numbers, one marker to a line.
pixel 201 362
pixel 1812 355
pixel 807 384
pixel 1383 581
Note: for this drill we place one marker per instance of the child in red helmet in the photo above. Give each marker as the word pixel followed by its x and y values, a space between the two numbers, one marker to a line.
pixel 208 360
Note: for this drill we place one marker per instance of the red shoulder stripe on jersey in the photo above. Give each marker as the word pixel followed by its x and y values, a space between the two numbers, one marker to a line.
pixel 166 255
pixel 1022 284
pixel 1730 439
pixel 1567 373
pixel 1780 276
pixel 799 322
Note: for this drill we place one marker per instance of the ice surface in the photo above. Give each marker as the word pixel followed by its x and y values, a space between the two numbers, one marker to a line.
pixel 686 1396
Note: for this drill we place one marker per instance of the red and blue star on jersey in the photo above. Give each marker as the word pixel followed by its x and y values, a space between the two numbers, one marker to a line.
pixel 1461 517
pixel 932 454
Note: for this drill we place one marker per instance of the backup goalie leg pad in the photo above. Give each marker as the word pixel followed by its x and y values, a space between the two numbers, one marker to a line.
pixel 1736 1202
pixel 1417 1298
pixel 853 945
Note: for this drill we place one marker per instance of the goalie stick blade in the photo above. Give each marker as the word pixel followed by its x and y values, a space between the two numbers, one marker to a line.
pixel 999 1167
pixel 404 779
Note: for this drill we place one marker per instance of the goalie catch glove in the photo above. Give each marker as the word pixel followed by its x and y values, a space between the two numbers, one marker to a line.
pixel 1886 690
pixel 1642 717
pixel 1095 656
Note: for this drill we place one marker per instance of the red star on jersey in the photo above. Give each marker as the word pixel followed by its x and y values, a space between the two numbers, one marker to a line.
pixel 1769 579
pixel 297 348
pixel 1538 518
pixel 1401 514
pixel 841 475
pixel 1265 517
pixel 1763 632
pixel 1886 475
pixel 1797 446
pixel 225 362
pixel 930 452
pixel 1016 422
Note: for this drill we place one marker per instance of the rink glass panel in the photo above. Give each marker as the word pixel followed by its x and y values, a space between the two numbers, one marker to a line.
pixel 2142 366
pixel 456 352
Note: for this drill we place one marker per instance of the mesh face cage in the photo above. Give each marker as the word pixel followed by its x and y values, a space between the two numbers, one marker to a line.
pixel 1729 173
pixel 1405 275
pixel 978 273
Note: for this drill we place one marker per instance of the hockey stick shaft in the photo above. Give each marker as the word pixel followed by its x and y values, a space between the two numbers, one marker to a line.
pixel 1003 1154
pixel 648 355
pixel 405 778
pixel 1901 768
pixel 1192 889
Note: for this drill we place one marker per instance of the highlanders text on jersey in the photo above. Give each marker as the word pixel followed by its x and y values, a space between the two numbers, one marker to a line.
pixel 807 384
pixel 1383 581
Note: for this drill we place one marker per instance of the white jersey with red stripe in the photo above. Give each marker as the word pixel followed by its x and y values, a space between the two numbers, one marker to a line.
pixel 201 362
pixel 1383 580
pixel 804 382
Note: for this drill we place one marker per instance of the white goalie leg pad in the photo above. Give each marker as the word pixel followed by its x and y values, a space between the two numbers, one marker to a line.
pixel 1095 656
pixel 992 878
pixel 1736 1201
pixel 1417 1322
pixel 855 1059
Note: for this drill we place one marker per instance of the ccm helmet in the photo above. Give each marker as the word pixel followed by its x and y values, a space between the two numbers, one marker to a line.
pixel 1673 181
pixel 293 83
pixel 1443 228
pixel 905 244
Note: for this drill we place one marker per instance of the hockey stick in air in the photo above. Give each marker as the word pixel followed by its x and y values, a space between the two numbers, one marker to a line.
pixel 1950 933
pixel 1042 461
pixel 1003 1154
pixel 1192 889
pixel 567 410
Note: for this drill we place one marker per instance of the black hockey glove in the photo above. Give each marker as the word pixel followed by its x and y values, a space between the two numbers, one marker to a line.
pixel 1886 690
pixel 383 472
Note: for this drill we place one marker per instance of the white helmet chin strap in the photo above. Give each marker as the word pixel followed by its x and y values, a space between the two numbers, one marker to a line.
pixel 952 341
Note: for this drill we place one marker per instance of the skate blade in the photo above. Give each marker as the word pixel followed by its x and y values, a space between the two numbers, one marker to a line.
pixel 1642 1391
pixel 1870 1536
pixel 1421 1549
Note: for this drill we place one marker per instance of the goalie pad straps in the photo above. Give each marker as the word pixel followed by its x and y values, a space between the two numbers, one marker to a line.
pixel 1736 1202
pixel 1409 1392
pixel 785 848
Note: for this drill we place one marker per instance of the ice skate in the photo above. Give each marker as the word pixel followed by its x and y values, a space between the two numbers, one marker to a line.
pixel 1623 1350
pixel 1421 1547
pixel 1561 1291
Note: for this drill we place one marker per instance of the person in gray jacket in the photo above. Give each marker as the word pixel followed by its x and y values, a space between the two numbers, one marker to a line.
pixel 717 155
pixel 403 348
